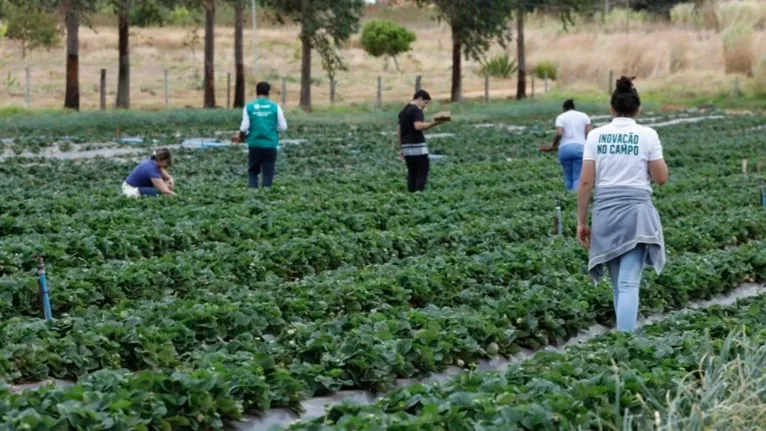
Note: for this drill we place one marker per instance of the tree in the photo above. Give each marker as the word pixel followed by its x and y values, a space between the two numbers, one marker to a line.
pixel 385 38
pixel 239 53
pixel 474 24
pixel 31 28
pixel 123 48
pixel 563 8
pixel 325 24
pixel 209 78
pixel 73 11
pixel 208 6
pixel 143 13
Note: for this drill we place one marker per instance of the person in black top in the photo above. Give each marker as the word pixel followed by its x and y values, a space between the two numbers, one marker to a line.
pixel 412 141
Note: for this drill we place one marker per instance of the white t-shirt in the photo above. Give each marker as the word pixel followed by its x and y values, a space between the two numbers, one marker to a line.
pixel 622 151
pixel 573 122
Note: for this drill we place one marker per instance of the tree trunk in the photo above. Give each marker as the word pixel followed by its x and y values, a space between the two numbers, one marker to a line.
pixel 209 80
pixel 521 88
pixel 72 95
pixel 239 54
pixel 457 85
pixel 123 44
pixel 305 73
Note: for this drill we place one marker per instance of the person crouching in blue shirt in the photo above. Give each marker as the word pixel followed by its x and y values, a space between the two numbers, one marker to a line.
pixel 262 121
pixel 150 177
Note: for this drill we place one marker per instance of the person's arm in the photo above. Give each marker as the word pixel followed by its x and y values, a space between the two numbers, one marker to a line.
pixel 244 127
pixel 281 122
pixel 587 179
pixel 421 124
pixel 658 169
pixel 584 188
pixel 425 125
pixel 557 138
pixel 160 185
pixel 399 134
pixel 171 182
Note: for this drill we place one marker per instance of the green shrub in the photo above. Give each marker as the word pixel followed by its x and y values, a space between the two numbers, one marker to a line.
pixel 147 13
pixel 501 66
pixel 546 69
pixel 386 39
pixel 183 17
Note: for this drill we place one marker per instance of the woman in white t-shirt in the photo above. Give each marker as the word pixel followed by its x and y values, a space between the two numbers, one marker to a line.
pixel 571 129
pixel 620 160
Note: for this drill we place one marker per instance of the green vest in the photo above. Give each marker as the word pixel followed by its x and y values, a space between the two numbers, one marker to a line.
pixel 263 124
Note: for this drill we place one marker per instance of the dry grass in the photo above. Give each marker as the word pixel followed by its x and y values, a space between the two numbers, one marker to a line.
pixel 681 59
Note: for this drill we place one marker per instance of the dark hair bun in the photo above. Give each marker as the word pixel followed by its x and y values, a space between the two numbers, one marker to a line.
pixel 625 84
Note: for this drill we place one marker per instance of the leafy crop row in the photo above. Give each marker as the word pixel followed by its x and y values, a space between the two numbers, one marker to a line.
pixel 552 390
pixel 591 386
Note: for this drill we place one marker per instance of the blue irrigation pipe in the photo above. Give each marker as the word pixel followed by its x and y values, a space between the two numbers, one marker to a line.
pixel 560 226
pixel 44 288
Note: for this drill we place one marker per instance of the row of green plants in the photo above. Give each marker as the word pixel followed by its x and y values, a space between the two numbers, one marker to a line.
pixel 688 372
pixel 591 386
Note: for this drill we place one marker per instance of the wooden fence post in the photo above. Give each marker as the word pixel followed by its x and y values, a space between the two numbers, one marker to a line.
pixel 27 90
pixel 532 93
pixel 333 82
pixel 545 78
pixel 486 88
pixel 102 90
pixel 611 80
pixel 166 88
pixel 228 90
pixel 379 99
pixel 418 82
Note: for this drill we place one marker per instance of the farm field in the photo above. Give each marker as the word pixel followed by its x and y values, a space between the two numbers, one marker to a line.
pixel 225 303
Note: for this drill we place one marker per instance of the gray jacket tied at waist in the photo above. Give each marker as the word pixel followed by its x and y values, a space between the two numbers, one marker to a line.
pixel 624 217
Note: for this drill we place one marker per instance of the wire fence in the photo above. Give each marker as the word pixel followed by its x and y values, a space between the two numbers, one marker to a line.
pixel 165 89
pixel 173 89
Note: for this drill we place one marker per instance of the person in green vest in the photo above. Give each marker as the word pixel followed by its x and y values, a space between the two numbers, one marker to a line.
pixel 262 122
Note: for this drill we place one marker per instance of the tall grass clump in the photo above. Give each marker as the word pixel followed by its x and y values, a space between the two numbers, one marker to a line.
pixel 727 391
pixel 501 66
pixel 759 78
pixel 546 69
pixel 749 13
pixel 738 49
pixel 686 14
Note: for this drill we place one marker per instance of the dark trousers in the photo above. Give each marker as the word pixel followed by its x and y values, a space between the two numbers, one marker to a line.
pixel 261 160
pixel 417 172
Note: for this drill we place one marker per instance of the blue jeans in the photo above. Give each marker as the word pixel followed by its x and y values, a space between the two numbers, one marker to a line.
pixel 570 157
pixel 261 160
pixel 625 272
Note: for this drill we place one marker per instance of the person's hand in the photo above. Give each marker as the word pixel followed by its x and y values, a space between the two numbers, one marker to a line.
pixel 401 155
pixel 171 183
pixel 235 138
pixel 583 235
pixel 546 148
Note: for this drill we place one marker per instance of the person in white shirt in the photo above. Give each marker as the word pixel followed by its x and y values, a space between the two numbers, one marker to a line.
pixel 571 129
pixel 620 160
